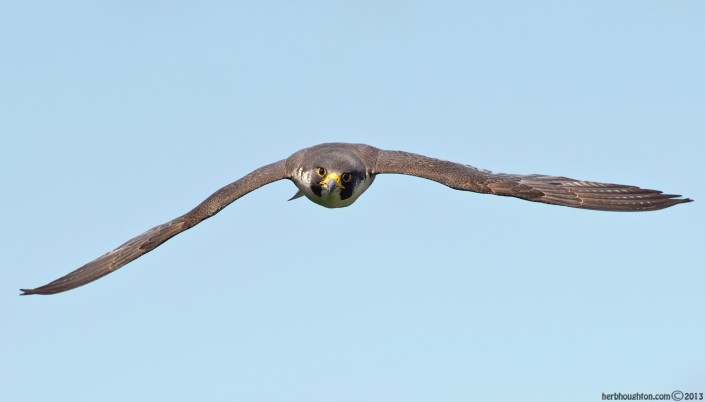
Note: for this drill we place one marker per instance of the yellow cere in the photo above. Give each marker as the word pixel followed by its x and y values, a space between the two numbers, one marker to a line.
pixel 335 177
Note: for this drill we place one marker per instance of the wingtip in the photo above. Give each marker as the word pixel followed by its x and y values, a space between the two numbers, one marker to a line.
pixel 42 290
pixel 678 199
pixel 675 200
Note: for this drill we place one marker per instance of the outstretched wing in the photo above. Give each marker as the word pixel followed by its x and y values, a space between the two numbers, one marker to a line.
pixel 540 188
pixel 152 238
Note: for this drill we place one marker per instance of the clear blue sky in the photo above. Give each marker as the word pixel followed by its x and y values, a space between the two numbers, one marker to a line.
pixel 118 116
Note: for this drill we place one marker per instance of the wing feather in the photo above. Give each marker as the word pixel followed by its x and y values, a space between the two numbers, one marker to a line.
pixel 554 190
pixel 151 239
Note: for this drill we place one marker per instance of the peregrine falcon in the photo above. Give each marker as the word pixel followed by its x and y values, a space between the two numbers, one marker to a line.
pixel 334 175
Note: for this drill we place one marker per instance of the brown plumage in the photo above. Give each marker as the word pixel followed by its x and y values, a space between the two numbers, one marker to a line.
pixel 357 165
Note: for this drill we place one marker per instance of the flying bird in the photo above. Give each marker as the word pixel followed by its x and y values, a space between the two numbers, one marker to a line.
pixel 334 175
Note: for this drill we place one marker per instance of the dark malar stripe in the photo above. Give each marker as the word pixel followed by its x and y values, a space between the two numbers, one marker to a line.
pixel 316 188
pixel 347 192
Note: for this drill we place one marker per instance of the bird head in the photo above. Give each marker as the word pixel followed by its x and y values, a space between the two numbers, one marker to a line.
pixel 332 179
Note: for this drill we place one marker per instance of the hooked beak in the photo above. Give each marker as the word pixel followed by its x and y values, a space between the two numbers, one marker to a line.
pixel 331 183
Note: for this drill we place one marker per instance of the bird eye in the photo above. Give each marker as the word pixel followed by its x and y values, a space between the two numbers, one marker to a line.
pixel 321 171
pixel 346 177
